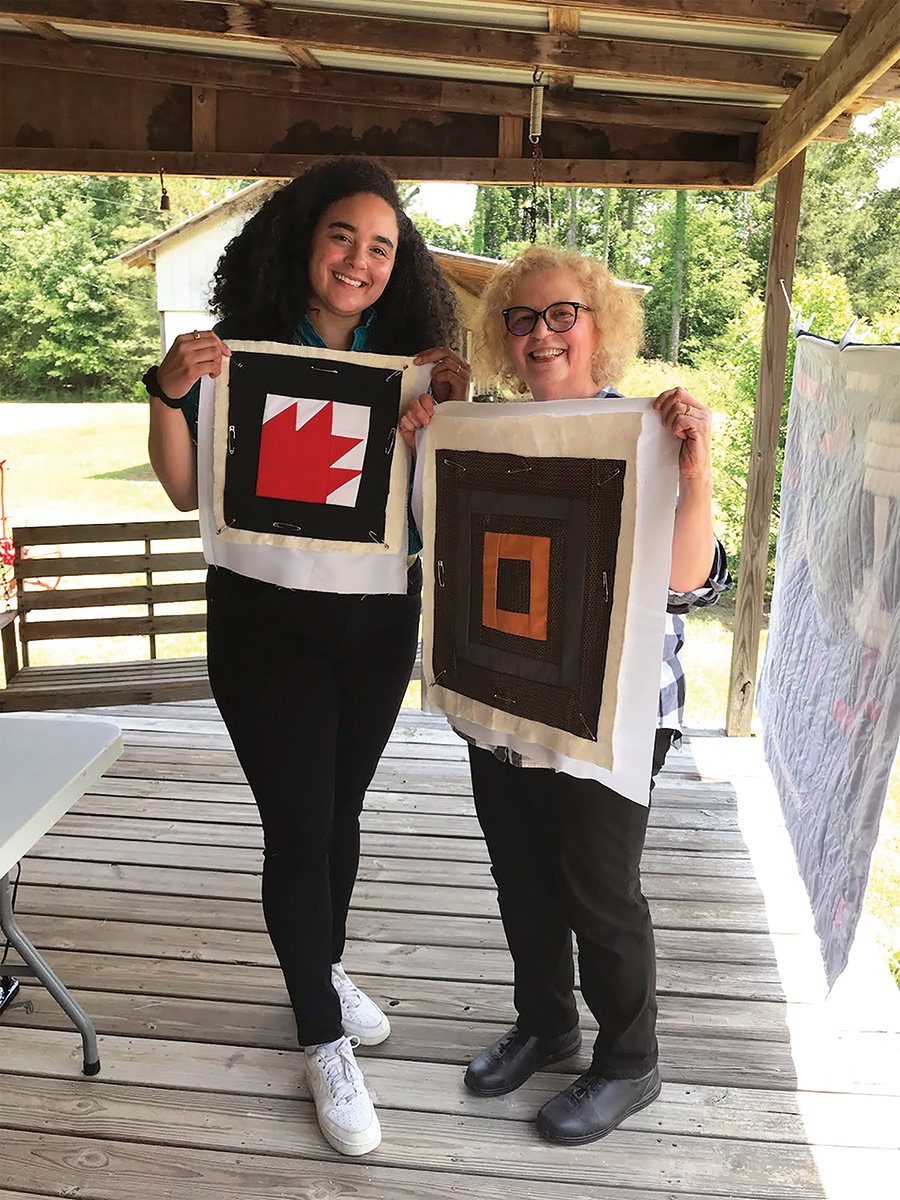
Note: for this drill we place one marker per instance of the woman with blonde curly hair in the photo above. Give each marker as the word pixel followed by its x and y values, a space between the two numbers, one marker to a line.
pixel 565 852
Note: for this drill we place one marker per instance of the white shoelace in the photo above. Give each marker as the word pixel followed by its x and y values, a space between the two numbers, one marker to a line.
pixel 341 1071
pixel 346 988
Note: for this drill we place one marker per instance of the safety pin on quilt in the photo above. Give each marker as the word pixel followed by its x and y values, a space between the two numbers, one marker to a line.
pixel 394 374
pixel 392 437
pixel 605 587
pixel 375 538
pixel 232 438
pixel 440 675
pixel 592 736
pixel 288 526
pixel 325 370
pixel 518 470
pixel 448 462
pixel 505 699
pixel 440 572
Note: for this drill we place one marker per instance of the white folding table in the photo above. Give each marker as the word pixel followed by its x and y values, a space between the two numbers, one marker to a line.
pixel 47 762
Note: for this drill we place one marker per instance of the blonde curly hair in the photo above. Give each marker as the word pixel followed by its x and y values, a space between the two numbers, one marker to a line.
pixel 617 316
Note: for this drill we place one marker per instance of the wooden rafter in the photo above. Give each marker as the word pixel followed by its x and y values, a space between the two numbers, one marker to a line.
pixel 400 91
pixel 601 58
pixel 296 53
pixel 301 56
pixel 868 46
pixel 567 23
pixel 203 119
pixel 603 172
pixel 824 16
pixel 43 29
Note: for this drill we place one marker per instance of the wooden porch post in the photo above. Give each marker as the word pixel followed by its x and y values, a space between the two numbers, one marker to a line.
pixel 766 430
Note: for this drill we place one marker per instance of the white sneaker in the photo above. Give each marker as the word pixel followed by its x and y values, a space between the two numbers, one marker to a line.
pixel 344 1107
pixel 361 1016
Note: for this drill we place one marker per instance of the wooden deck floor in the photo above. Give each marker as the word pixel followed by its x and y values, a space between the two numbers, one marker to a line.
pixel 146 900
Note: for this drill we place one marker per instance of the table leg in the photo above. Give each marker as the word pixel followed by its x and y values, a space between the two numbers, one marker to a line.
pixel 49 979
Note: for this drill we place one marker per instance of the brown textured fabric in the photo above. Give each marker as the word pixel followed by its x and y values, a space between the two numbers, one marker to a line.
pixel 570 506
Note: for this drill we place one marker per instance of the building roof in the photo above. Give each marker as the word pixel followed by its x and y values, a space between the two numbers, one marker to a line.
pixel 468 271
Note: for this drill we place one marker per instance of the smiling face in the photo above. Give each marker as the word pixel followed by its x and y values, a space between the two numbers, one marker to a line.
pixel 554 366
pixel 352 254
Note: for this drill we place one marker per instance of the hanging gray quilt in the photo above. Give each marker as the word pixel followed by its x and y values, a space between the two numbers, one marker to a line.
pixel 829 693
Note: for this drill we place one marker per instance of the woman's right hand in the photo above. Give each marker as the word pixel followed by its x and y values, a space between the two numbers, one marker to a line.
pixel 190 357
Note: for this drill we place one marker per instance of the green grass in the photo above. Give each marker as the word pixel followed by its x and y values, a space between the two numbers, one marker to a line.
pixel 69 464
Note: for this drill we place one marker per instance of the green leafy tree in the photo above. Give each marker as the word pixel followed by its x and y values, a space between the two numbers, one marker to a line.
pixel 447 237
pixel 68 318
pixel 848 220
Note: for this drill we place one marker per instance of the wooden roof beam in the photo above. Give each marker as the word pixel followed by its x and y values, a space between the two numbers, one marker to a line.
pixel 822 16
pixel 564 22
pixel 869 45
pixel 296 53
pixel 398 91
pixel 601 58
pixel 564 172
pixel 43 29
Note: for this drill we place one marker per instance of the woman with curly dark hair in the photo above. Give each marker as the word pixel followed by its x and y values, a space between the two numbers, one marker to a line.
pixel 309 683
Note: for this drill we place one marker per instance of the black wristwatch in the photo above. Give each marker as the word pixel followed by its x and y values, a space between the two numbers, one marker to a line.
pixel 151 383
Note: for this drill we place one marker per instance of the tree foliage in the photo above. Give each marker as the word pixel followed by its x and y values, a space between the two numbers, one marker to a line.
pixel 70 318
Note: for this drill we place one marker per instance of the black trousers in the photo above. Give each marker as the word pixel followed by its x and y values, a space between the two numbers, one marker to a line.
pixel 565 854
pixel 309 685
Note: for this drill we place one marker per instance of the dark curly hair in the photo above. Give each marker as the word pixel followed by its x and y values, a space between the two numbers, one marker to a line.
pixel 261 286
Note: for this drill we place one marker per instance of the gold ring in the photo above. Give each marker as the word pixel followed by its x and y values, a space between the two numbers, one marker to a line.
pixel 196 335
pixel 457 368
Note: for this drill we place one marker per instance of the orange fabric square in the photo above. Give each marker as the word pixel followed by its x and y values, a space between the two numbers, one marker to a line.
pixel 535 550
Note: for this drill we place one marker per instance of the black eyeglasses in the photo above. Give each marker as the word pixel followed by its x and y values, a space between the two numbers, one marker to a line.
pixel 558 317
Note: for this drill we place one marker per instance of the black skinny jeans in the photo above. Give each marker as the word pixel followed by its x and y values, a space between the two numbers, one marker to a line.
pixel 309 685
pixel 565 854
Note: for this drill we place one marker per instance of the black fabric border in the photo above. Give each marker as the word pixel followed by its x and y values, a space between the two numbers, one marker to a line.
pixel 252 377
pixel 599 484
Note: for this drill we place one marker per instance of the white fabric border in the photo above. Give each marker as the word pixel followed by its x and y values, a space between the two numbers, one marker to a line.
pixel 396 533
pixel 313 566
pixel 638 685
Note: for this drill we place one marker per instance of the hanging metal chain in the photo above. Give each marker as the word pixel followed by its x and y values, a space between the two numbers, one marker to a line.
pixel 535 128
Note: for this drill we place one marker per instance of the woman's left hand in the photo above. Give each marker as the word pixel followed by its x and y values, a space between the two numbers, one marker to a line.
pixel 691 422
pixel 451 375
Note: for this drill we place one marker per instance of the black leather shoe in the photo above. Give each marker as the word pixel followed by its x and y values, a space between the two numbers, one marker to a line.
pixel 592 1107
pixel 514 1058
